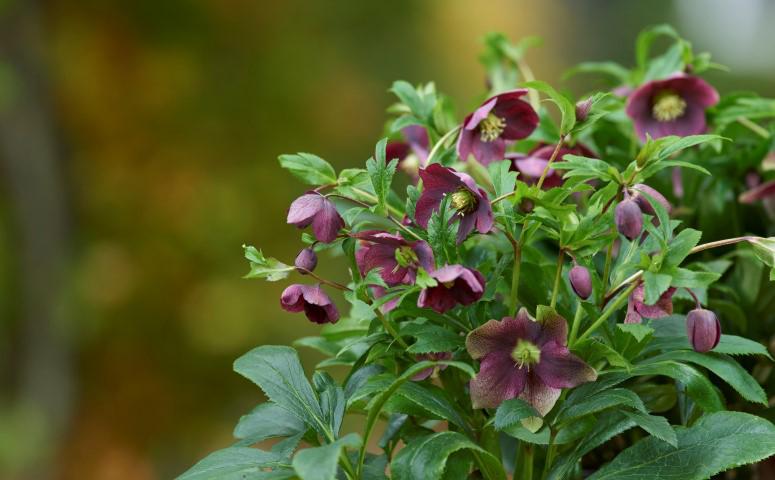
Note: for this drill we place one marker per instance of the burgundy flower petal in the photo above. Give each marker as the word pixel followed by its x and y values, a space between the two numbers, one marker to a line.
pixel 315 303
pixel 488 152
pixel 541 396
pixel 499 379
pixel 501 335
pixel 559 368
pixel 399 150
pixel 661 309
pixel 303 209
pixel 484 216
pixel 291 299
pixel 554 328
pixel 473 120
pixel 456 284
pixel 465 143
pixel 520 118
pixel 760 192
pixel 327 222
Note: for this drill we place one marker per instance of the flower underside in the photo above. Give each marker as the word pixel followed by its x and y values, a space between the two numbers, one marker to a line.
pixel 668 106
pixel 491 127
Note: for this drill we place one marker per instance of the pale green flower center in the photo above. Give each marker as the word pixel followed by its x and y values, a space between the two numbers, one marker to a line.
pixel 668 106
pixel 526 354
pixel 405 256
pixel 491 127
pixel 463 200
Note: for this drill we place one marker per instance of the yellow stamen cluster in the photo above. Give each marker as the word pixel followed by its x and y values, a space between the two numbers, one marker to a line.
pixel 491 127
pixel 668 106
pixel 463 200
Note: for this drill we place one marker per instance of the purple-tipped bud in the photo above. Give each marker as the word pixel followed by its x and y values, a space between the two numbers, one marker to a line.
pixel 580 281
pixel 703 329
pixel 306 261
pixel 629 218
pixel 582 109
pixel 642 201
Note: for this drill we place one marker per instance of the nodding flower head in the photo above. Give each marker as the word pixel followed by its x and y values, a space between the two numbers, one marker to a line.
pixel 456 284
pixel 580 281
pixel 703 329
pixel 314 209
pixel 312 300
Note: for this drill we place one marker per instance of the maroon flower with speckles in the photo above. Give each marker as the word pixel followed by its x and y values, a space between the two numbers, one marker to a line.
pixel 312 300
pixel 525 358
pixel 500 120
pixel 471 203
pixel 456 284
pixel 673 106
pixel 314 209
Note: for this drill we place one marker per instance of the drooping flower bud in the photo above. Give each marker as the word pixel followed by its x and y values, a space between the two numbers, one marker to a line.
pixel 306 261
pixel 629 218
pixel 580 281
pixel 703 329
pixel 645 206
pixel 582 109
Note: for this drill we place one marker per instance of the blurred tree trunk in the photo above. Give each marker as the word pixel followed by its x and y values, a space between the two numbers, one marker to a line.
pixel 34 183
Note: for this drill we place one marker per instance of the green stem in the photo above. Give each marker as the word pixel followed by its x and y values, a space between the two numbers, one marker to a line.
pixel 525 462
pixel 389 328
pixel 551 159
pixel 441 142
pixel 514 293
pixel 574 329
pixel 754 127
pixel 608 312
pixel 551 452
pixel 347 466
pixel 557 277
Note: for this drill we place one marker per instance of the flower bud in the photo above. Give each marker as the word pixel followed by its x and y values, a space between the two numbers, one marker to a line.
pixel 580 281
pixel 643 202
pixel 703 329
pixel 629 218
pixel 306 261
pixel 582 109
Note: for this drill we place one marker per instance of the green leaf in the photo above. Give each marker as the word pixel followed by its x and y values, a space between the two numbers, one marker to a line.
pixel 655 284
pixel 268 420
pixel 503 178
pixel 683 277
pixel 320 463
pixel 309 168
pixel 725 368
pixel 426 457
pixel 278 372
pixel 381 173
pixel 442 234
pixel 512 411
pixel 424 279
pixel 431 338
pixel 646 39
pixel 420 101
pixel 267 268
pixel 655 425
pixel 697 385
pixel 717 442
pixel 734 345
pixel 586 168
pixel 332 401
pixel 601 401
pixel 681 245
pixel 637 330
pixel 567 108
pixel 614 70
pixel 432 399
pixel 236 463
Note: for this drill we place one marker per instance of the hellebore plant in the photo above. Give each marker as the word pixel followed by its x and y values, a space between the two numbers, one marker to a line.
pixel 539 305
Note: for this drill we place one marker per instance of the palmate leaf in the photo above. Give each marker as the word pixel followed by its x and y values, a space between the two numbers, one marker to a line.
pixel 267 268
pixel 426 458
pixel 717 442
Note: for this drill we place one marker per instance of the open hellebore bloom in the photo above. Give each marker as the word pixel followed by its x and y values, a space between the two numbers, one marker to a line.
pixel 637 308
pixel 312 300
pixel 397 258
pixel 315 209
pixel 471 204
pixel 456 285
pixel 423 374
pixel 412 152
pixel 673 106
pixel 703 329
pixel 500 119
pixel 532 165
pixel 520 357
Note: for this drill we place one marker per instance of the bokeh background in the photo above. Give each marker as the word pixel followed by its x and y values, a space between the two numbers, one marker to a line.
pixel 138 145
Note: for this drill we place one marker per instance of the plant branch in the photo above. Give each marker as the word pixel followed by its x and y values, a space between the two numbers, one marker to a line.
pixel 441 142
pixel 608 312
pixel 557 277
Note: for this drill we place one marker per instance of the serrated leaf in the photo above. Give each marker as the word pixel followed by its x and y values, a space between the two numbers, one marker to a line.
pixel 432 399
pixel 381 173
pixel 269 269
pixel 637 330
pixel 655 425
pixel 503 178
pixel 431 338
pixel 278 372
pixel 697 385
pixel 734 345
pixel 235 463
pixel 426 457
pixel 308 168
pixel 442 233
pixel 654 285
pixel 681 245
pixel 512 411
pixel 717 442
pixel 268 420
pixel 601 401
pixel 319 463
pixel 683 277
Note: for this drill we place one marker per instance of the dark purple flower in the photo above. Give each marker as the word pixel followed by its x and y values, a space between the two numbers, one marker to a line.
pixel 423 374
pixel 638 191
pixel 397 258
pixel 306 261
pixel 673 106
pixel 580 281
pixel 637 307
pixel 313 208
pixel 532 165
pixel 415 142
pixel 520 357
pixel 312 300
pixel 471 204
pixel 501 119
pixel 629 218
pixel 456 284
pixel 703 329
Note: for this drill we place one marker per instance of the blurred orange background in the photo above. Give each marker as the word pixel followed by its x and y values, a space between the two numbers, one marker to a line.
pixel 138 146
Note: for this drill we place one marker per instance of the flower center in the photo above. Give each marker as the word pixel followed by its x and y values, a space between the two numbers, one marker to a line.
pixel 526 354
pixel 668 106
pixel 405 256
pixel 491 127
pixel 463 200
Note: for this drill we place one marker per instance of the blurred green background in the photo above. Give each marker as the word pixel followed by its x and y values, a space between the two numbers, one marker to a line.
pixel 138 145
